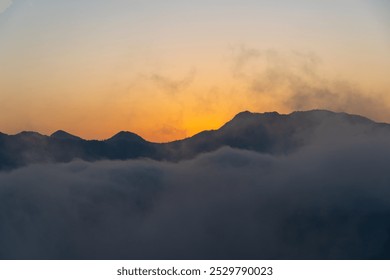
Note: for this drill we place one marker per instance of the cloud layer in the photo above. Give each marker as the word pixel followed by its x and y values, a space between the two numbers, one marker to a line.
pixel 329 200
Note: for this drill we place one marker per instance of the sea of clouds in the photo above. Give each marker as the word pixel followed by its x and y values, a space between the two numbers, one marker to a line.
pixel 329 200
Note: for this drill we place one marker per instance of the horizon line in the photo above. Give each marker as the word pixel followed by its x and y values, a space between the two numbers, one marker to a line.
pixel 139 135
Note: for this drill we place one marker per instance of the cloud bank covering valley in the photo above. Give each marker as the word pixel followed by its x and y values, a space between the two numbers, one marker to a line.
pixel 329 200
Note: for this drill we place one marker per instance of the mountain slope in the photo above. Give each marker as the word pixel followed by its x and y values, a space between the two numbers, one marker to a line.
pixel 274 133
pixel 271 133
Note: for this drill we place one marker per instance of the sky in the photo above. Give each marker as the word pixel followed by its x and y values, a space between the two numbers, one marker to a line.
pixel 169 69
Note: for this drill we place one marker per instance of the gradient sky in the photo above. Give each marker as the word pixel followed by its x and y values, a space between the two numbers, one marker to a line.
pixel 169 69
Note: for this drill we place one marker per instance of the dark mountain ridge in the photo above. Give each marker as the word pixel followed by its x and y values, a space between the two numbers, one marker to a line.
pixel 60 134
pixel 270 132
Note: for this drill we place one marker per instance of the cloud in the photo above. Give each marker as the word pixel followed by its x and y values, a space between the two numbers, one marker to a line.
pixel 4 5
pixel 171 131
pixel 328 200
pixel 171 86
pixel 294 80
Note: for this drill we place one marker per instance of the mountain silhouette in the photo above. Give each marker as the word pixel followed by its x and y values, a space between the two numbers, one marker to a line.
pixel 126 136
pixel 270 133
pixel 60 134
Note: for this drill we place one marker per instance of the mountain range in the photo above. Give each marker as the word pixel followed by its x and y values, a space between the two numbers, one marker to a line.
pixel 270 133
pixel 305 185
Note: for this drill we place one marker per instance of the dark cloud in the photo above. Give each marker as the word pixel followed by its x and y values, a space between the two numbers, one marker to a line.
pixel 330 199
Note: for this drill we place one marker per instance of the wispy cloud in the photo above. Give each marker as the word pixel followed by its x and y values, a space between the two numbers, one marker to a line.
pixel 295 80
pixel 171 86
pixel 4 5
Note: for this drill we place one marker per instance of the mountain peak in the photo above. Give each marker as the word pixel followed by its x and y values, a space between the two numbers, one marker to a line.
pixel 243 114
pixel 29 134
pixel 126 136
pixel 248 114
pixel 247 117
pixel 63 135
